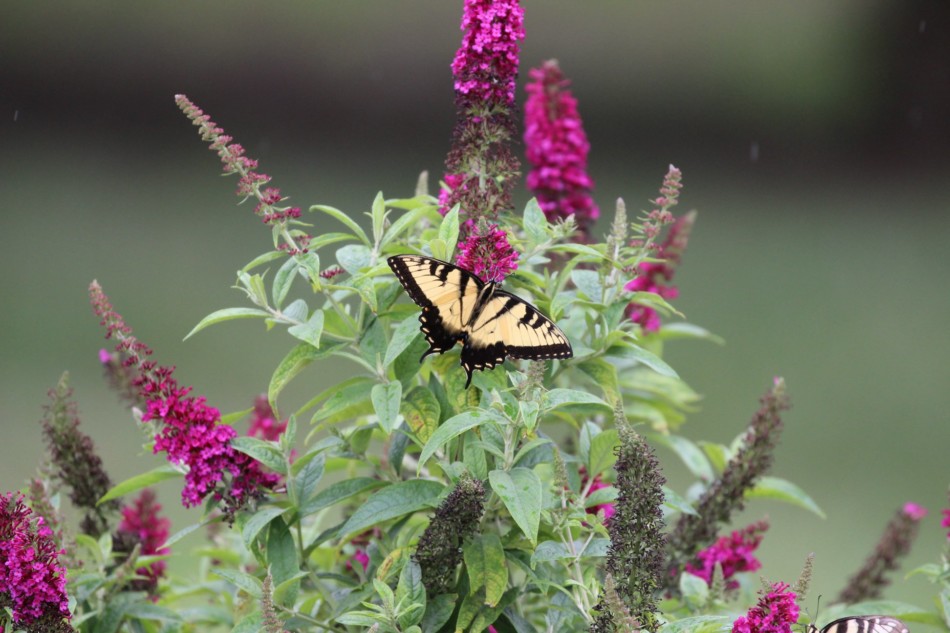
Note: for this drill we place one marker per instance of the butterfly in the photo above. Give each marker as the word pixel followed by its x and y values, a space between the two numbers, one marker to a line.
pixel 862 624
pixel 490 323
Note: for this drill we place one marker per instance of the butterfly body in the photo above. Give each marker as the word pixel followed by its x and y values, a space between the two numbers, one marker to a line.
pixel 490 323
pixel 862 624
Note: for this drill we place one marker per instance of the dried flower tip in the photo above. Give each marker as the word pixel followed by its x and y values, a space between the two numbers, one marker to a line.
pixel 804 579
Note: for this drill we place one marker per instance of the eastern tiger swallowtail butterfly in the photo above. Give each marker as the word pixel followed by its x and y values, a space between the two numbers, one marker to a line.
pixel 862 624
pixel 490 323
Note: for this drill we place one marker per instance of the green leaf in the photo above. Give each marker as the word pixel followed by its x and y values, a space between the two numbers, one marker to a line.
pixel 588 284
pixel 386 401
pixel 264 258
pixel 452 428
pixel 345 396
pixel 520 491
pixel 556 550
pixel 698 624
pixel 152 612
pixel 604 374
pixel 784 490
pixel 303 481
pixel 692 456
pixel 282 555
pixel 283 280
pixel 338 492
pixel 393 501
pixel 133 484
pixel 403 335
pixel 535 223
pixel 403 223
pixel 378 215
pixel 311 331
pixel 602 455
pixel 411 589
pixel 354 257
pixel 247 583
pixel 293 363
pixel 258 521
pixel 438 612
pixel 473 456
pixel 694 590
pixel 345 219
pixel 485 561
pixel 227 314
pixel 421 410
pixel 682 330
pixel 634 352
pixel 263 451
pixel 561 397
pixel 449 231
pixel 675 502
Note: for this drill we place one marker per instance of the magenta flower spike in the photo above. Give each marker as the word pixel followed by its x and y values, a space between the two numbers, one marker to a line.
pixel 480 169
pixel 189 430
pixel 142 524
pixel 556 147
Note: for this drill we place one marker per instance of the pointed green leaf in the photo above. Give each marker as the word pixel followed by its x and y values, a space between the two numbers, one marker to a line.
pixel 403 335
pixel 421 410
pixel 452 428
pixel 283 280
pixel 311 331
pixel 263 451
pixel 354 257
pixel 588 284
pixel 133 484
pixel 520 491
pixel 386 401
pixel 535 223
pixel 602 454
pixel 378 215
pixel 345 219
pixel 561 397
pixel 258 521
pixel 227 314
pixel 449 231
pixel 393 501
pixel 692 456
pixel 634 352
pixel 245 582
pixel 338 492
pixel 293 363
pixel 485 561
pixel 784 490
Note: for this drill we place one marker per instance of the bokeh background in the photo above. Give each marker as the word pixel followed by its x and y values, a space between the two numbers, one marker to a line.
pixel 813 137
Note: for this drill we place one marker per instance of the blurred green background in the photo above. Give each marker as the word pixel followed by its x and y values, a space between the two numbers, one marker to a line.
pixel 813 138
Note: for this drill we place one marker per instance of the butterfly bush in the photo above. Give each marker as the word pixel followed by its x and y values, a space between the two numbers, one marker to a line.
pixel 534 499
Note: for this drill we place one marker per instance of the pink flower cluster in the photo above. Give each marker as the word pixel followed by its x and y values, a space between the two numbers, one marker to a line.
pixel 32 581
pixel 143 522
pixel 607 508
pixel 914 511
pixel 486 64
pixel 190 431
pixel 263 424
pixel 775 612
pixel 734 554
pixel 557 148
pixel 488 254
pixel 250 181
